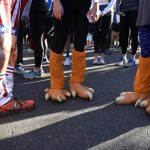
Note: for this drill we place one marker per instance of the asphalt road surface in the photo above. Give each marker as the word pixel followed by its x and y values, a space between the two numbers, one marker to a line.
pixel 78 124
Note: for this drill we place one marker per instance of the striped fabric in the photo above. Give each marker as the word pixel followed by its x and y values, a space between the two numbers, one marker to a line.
pixel 10 70
pixel 10 14
pixel 5 21
pixel 2 76
pixel 15 14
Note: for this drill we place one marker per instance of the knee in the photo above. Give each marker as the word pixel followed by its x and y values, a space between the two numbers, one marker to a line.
pixel 4 54
pixel 13 51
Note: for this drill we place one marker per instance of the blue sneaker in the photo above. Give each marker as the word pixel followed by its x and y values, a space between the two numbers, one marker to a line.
pixel 108 52
pixel 122 61
pixel 19 69
pixel 131 62
pixel 33 74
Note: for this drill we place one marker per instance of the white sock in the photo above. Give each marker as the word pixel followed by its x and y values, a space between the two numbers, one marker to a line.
pixel 4 95
pixel 124 56
pixel 9 81
pixel 132 56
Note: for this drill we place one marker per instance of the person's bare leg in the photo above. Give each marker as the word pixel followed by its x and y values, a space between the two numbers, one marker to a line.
pixel 13 54
pixel 9 77
pixel 5 46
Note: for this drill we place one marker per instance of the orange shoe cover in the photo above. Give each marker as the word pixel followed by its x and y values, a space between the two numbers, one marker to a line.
pixel 56 70
pixel 77 77
pixel 148 109
pixel 57 95
pixel 81 91
pixel 56 92
pixel 144 104
pixel 78 66
pixel 142 79
pixel 131 97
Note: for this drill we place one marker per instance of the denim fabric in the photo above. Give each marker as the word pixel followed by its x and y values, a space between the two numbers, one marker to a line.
pixel 144 33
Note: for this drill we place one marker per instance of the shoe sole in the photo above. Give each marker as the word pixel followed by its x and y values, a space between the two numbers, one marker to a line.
pixel 35 77
pixel 67 64
pixel 19 72
pixel 129 66
pixel 120 64
pixel 101 64
pixel 96 64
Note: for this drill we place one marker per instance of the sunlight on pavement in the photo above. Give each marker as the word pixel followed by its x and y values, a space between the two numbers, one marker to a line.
pixel 13 129
pixel 32 58
pixel 137 139
pixel 92 69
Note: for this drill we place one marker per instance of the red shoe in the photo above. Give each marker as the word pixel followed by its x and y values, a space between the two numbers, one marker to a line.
pixel 17 105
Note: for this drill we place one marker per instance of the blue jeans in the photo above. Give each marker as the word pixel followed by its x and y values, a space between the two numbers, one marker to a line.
pixel 144 33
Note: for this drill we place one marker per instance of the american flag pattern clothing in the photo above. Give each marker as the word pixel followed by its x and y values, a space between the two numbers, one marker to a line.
pixel 15 14
pixel 9 15
pixel 5 16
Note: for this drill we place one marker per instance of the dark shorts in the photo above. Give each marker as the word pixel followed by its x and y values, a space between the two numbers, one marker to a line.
pixel 71 29
pixel 115 27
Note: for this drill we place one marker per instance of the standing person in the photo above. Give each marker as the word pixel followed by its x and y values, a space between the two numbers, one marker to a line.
pixel 23 21
pixel 9 16
pixel 115 30
pixel 101 31
pixel 63 11
pixel 89 38
pixel 40 19
pixel 128 11
pixel 67 47
pixel 69 40
pixel 141 94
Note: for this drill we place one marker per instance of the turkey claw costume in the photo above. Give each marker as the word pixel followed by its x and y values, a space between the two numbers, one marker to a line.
pixel 141 94
pixel 63 11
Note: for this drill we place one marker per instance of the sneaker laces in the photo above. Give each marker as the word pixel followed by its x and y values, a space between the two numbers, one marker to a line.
pixel 21 68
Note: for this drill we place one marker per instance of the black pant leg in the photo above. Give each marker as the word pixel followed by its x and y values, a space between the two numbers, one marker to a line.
pixel 21 30
pixel 96 35
pixel 37 29
pixel 82 7
pixel 104 31
pixel 134 31
pixel 124 32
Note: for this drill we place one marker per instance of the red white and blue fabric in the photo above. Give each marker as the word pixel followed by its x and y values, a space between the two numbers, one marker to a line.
pixel 9 15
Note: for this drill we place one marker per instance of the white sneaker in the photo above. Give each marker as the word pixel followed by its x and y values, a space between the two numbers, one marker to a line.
pixel 122 61
pixel 95 62
pixel 5 96
pixel 102 61
pixel 67 61
pixel 131 62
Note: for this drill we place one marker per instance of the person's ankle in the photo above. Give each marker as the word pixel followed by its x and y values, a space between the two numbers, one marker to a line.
pixel 37 69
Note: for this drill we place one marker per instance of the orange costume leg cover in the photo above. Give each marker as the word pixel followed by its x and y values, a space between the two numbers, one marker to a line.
pixel 56 92
pixel 78 72
pixel 141 86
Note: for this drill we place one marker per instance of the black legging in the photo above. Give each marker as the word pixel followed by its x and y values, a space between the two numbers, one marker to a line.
pixel 101 34
pixel 129 22
pixel 20 36
pixel 40 22
pixel 78 9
